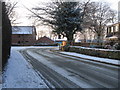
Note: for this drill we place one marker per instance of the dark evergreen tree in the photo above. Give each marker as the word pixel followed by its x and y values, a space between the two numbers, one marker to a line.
pixel 64 17
pixel 6 35
pixel 67 19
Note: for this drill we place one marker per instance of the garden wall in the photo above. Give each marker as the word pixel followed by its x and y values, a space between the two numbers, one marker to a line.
pixel 105 53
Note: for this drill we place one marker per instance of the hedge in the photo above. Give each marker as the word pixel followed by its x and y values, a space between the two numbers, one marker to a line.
pixel 105 53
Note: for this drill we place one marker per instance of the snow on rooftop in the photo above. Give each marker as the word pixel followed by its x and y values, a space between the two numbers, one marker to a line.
pixel 109 24
pixel 22 29
pixel 64 39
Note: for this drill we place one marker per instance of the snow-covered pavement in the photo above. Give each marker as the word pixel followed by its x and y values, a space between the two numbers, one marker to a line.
pixel 0 80
pixel 20 74
pixel 104 60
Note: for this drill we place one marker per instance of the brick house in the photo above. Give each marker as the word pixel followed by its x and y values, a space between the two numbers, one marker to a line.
pixel 44 41
pixel 113 33
pixel 23 35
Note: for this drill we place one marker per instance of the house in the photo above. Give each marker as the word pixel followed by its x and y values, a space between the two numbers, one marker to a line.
pixel 23 35
pixel 113 33
pixel 85 36
pixel 44 41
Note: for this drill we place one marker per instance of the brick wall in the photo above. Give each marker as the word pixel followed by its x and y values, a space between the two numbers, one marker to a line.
pixel 23 39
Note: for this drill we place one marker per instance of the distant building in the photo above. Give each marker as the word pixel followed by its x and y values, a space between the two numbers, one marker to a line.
pixel 23 35
pixel 44 41
pixel 86 36
pixel 113 33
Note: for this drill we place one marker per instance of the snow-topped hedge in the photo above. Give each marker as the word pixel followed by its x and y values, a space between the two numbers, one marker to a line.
pixel 106 53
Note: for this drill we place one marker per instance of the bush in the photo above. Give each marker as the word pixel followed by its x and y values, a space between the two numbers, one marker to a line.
pixel 113 54
pixel 66 47
pixel 116 46
pixel 96 46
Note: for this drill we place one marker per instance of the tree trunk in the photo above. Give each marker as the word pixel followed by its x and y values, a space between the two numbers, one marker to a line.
pixel 59 36
pixel 70 39
pixel 99 39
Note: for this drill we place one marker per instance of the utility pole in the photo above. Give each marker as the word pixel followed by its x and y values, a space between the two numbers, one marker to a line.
pixel 0 36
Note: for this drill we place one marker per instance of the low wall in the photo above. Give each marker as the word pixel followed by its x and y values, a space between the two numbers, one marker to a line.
pixel 105 53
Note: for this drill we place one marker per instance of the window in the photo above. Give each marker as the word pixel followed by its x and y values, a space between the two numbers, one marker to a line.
pixel 111 29
pixel 107 30
pixel 114 27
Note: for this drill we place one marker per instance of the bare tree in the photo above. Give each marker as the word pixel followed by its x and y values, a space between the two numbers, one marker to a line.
pixel 40 33
pixel 97 17
pixel 10 6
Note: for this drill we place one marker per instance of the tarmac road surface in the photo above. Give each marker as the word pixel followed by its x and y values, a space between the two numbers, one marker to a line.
pixel 63 71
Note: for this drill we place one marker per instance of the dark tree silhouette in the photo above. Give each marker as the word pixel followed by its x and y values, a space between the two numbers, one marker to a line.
pixel 65 18
pixel 6 35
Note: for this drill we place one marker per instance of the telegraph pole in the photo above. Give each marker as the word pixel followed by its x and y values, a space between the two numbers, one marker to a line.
pixel 0 36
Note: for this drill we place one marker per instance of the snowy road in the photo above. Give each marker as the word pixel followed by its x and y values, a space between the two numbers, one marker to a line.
pixel 71 72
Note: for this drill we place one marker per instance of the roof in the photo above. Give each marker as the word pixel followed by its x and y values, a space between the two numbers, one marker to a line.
pixel 42 38
pixel 60 40
pixel 111 24
pixel 45 40
pixel 23 29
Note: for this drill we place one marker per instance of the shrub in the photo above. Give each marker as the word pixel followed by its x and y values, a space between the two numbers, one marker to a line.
pixel 116 46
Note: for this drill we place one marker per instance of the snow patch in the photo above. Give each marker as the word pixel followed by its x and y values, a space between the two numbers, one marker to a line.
pixel 112 61
pixel 94 48
pixel 19 74
pixel 0 80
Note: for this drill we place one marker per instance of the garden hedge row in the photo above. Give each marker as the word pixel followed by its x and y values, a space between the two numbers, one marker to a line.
pixel 105 53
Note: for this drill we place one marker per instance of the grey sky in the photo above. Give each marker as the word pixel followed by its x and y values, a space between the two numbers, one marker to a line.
pixel 22 12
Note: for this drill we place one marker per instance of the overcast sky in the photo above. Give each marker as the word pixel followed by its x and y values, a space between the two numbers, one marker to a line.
pixel 22 12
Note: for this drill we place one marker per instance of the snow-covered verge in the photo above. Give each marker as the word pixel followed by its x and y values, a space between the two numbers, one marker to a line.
pixel 112 61
pixel 94 48
pixel 104 53
pixel 0 80
pixel 20 74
